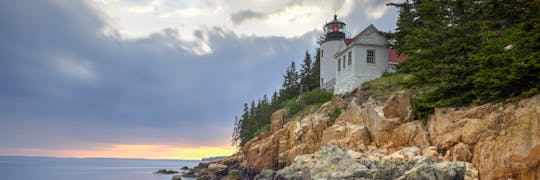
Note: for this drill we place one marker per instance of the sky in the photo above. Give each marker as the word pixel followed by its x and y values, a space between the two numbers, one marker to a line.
pixel 156 79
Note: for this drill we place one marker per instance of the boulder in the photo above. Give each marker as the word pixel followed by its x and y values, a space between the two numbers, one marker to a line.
pixel 266 174
pixel 277 120
pixel 460 152
pixel 176 177
pixel 331 162
pixel 500 140
pixel 166 171
pixel 441 170
pixel 217 170
pixel 405 153
pixel 398 105
pixel 348 130
pixel 431 152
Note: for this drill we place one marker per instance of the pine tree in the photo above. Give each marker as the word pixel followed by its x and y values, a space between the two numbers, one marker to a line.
pixel 306 72
pixel 236 131
pixel 457 49
pixel 316 71
pixel 275 97
pixel 290 87
pixel 244 120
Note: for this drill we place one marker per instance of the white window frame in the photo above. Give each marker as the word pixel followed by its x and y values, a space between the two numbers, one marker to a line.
pixel 370 59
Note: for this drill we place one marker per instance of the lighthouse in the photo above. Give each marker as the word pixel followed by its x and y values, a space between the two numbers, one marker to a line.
pixel 346 63
pixel 333 39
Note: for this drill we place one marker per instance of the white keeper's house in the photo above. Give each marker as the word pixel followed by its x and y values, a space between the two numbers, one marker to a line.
pixel 348 62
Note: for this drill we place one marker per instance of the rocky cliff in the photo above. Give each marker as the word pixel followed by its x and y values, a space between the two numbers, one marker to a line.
pixel 382 140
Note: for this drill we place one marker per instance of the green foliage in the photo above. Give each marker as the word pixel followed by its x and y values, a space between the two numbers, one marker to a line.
pixel 382 87
pixel 317 96
pixel 334 114
pixel 255 118
pixel 262 129
pixel 461 52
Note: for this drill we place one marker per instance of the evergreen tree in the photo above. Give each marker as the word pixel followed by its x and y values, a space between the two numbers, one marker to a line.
pixel 275 97
pixel 236 131
pixel 306 72
pixel 290 83
pixel 462 50
pixel 244 120
pixel 314 81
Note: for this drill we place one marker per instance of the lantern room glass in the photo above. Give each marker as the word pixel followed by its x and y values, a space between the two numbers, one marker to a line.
pixel 335 28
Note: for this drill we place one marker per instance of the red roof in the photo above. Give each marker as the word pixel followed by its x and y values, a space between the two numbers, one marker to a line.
pixel 349 41
pixel 394 57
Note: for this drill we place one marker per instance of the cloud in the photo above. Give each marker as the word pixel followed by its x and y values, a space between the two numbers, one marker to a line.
pixel 67 85
pixel 244 15
pixel 72 76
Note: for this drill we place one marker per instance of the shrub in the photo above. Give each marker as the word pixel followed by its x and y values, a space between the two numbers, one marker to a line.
pixel 261 130
pixel 315 97
pixel 334 114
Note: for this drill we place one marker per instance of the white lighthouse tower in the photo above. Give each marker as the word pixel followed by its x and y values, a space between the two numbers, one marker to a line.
pixel 335 33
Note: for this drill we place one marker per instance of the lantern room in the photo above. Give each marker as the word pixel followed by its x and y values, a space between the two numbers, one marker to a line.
pixel 335 30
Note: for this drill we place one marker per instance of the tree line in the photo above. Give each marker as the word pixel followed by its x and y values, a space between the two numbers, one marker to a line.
pixel 255 117
pixel 469 51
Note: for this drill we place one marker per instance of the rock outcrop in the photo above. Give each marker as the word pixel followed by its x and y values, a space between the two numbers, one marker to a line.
pixel 166 171
pixel 375 140
pixel 502 140
pixel 332 162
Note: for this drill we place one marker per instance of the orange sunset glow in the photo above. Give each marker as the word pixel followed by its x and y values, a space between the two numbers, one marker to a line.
pixel 134 151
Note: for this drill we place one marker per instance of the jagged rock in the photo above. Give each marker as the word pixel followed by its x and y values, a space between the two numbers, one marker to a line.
pixel 198 171
pixel 176 177
pixel 278 120
pixel 184 168
pixel 501 140
pixel 460 152
pixel 266 174
pixel 405 153
pixel 431 152
pixel 348 130
pixel 504 137
pixel 331 162
pixel 398 105
pixel 217 170
pixel 442 170
pixel 166 171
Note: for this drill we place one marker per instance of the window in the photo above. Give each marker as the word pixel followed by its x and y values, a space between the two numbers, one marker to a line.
pixel 322 81
pixel 370 56
pixel 322 53
pixel 350 58
pixel 344 57
pixel 339 65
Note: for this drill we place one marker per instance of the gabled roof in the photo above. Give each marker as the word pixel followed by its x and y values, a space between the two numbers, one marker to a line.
pixel 350 41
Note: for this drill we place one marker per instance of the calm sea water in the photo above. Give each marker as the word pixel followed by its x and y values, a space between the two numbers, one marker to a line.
pixel 29 168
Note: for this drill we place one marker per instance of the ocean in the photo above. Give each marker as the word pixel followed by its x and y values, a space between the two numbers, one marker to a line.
pixel 45 168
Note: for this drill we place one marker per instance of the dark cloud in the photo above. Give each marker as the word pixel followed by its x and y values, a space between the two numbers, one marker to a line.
pixel 244 15
pixel 359 19
pixel 65 84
